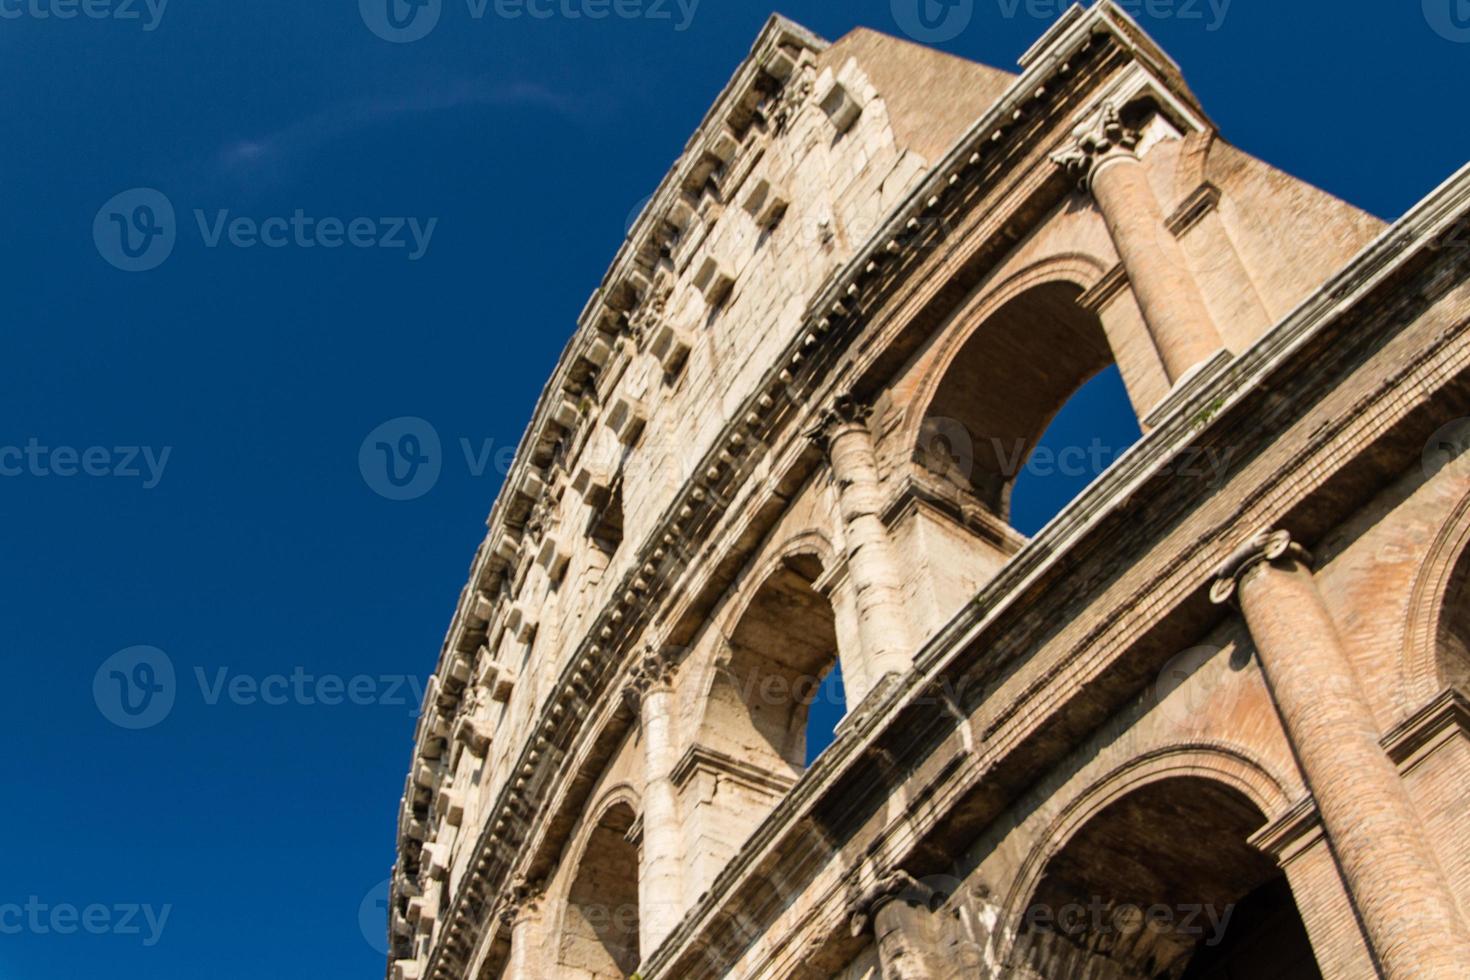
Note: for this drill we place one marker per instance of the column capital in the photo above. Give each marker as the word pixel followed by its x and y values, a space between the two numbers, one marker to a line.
pixel 1266 546
pixel 654 672
pixel 522 899
pixel 897 884
pixel 846 411
pixel 1097 141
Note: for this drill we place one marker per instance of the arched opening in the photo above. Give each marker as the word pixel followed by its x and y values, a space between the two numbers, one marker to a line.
pixel 599 938
pixel 825 712
pixel 1452 642
pixel 1003 390
pixel 780 661
pixel 1093 428
pixel 1162 885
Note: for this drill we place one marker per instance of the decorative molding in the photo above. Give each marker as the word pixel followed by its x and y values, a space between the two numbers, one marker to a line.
pixel 1113 282
pixel 1417 737
pixel 1203 200
pixel 699 758
pixel 1292 834
pixel 1202 376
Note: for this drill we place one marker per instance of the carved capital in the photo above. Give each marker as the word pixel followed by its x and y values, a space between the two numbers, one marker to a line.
pixel 522 898
pixel 1267 546
pixel 846 411
pixel 653 673
pixel 895 885
pixel 1104 137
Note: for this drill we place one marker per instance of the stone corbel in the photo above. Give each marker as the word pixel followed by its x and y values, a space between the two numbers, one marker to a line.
pixel 626 418
pixel 553 558
pixel 765 203
pixel 500 679
pixel 521 623
pixel 713 280
pixel 840 100
pixel 669 346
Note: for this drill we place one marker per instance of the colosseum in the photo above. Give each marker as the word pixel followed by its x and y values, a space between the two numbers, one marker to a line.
pixel 1206 723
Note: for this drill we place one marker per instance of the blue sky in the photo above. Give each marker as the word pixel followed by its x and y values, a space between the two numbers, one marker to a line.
pixel 180 445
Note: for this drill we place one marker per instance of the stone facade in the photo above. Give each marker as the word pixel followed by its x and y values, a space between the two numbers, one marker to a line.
pixel 1212 721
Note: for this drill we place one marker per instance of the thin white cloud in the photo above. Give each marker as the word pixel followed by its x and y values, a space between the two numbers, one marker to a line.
pixel 246 158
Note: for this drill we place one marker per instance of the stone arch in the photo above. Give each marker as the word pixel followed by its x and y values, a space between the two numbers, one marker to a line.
pixel 778 643
pixel 597 930
pixel 1436 649
pixel 1017 355
pixel 1118 871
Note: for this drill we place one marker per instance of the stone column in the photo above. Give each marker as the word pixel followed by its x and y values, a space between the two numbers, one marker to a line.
pixel 1102 159
pixel 872 565
pixel 522 914
pixel 1398 888
pixel 900 912
pixel 660 886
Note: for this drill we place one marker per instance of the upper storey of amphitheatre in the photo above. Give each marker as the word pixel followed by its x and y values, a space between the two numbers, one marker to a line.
pixel 916 259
